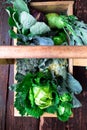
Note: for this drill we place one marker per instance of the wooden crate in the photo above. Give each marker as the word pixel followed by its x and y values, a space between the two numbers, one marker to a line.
pixel 58 6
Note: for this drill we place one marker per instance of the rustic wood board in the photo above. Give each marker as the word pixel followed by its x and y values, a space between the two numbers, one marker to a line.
pixel 4 67
pixel 79 62
pixel 13 52
pixel 54 6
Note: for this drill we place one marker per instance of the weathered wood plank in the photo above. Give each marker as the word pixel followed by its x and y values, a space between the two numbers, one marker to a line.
pixel 51 6
pixel 80 62
pixel 26 123
pixel 3 94
pixel 4 40
pixel 80 9
pixel 43 52
pixel 10 103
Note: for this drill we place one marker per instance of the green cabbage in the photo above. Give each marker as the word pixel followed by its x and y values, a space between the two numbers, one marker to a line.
pixel 43 96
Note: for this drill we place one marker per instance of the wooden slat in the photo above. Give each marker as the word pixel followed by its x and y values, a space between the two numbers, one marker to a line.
pixel 12 52
pixel 70 12
pixel 70 65
pixel 4 68
pixel 79 62
pixel 53 6
pixel 6 61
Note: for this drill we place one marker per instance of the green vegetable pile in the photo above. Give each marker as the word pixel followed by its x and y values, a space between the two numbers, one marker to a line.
pixel 46 88
pixel 37 28
pixel 44 85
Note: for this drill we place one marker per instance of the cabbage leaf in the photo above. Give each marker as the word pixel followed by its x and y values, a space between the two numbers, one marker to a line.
pixel 26 19
pixel 39 28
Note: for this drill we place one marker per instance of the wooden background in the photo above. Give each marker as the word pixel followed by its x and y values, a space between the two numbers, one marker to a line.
pixel 7 119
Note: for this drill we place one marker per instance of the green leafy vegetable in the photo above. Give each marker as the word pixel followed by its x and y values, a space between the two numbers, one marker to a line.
pixel 37 40
pixel 26 20
pixel 75 102
pixel 12 34
pixel 75 30
pixel 80 29
pixel 16 20
pixel 73 84
pixel 11 22
pixel 39 28
pixel 43 96
pixel 20 6
pixel 58 67
pixel 60 39
pixel 52 19
pixel 20 17
pixel 42 91
pixel 64 111
pixel 35 90
pixel 59 21
pixel 10 11
pixel 66 97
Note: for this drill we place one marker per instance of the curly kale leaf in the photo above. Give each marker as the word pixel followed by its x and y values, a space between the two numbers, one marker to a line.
pixel 25 66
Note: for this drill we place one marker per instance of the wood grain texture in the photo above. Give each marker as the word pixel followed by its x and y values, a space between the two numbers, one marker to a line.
pixel 4 68
pixel 43 52
pixel 26 123
pixel 80 62
pixel 3 94
pixel 10 111
pixel 54 6
pixel 80 9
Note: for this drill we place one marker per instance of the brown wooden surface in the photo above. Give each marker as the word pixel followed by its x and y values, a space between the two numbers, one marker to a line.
pixel 51 6
pixel 43 52
pixel 7 120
